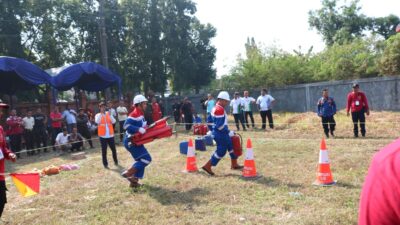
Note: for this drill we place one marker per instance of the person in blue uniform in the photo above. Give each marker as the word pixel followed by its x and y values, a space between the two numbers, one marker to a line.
pixel 136 123
pixel 222 135
pixel 326 109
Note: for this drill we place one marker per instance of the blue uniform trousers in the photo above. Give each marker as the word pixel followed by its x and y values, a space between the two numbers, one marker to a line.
pixel 224 144
pixel 141 156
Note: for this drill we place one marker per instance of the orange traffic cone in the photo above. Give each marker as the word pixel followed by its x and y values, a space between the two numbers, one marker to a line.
pixel 190 159
pixel 324 175
pixel 249 169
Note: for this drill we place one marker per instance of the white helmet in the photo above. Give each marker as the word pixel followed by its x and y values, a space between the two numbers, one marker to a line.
pixel 139 99
pixel 224 95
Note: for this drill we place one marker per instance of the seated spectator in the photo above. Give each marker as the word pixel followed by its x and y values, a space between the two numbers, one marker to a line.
pixel 62 141
pixel 75 139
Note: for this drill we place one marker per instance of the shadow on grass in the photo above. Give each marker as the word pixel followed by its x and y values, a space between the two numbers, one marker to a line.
pixel 266 181
pixel 347 185
pixel 175 197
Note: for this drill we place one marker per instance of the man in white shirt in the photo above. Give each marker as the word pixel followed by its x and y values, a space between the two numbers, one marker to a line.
pixel 237 110
pixel 105 131
pixel 248 111
pixel 113 112
pixel 265 103
pixel 29 122
pixel 62 141
pixel 122 113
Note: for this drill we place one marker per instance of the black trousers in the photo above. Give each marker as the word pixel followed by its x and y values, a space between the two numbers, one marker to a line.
pixel 29 141
pixel 111 143
pixel 121 130
pixel 188 121
pixel 40 137
pixel 54 132
pixel 358 117
pixel 15 142
pixel 239 117
pixel 85 132
pixel 264 116
pixel 3 196
pixel 246 118
pixel 76 146
pixel 328 123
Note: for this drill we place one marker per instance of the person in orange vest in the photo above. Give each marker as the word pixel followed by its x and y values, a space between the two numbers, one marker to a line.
pixel 5 153
pixel 105 132
pixel 136 123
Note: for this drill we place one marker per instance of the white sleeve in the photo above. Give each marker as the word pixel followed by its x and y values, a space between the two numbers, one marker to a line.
pixel 231 104
pixel 113 119
pixel 272 98
pixel 258 101
pixel 252 99
pixel 58 138
pixel 97 118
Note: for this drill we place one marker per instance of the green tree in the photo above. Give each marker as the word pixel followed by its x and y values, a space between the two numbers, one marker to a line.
pixel 389 64
pixel 10 28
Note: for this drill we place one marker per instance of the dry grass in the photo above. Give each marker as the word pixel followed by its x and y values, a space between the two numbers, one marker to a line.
pixel 286 158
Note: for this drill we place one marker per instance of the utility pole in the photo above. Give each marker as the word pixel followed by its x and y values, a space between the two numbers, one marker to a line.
pixel 103 42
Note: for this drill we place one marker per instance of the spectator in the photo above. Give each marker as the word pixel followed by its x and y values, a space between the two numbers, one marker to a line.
pixel 122 112
pixel 15 130
pixel 265 102
pixel 29 122
pixel 89 112
pixel 105 132
pixel 82 121
pixel 326 109
pixel 176 108
pixel 187 111
pixel 156 110
pixel 248 111
pixel 56 125
pixel 70 118
pixel 39 130
pixel 210 104
pixel 237 110
pixel 62 143
pixel 358 103
pixel 113 112
pixel 162 108
pixel 380 198
pixel 75 139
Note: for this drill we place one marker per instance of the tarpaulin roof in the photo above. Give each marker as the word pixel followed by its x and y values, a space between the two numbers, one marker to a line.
pixel 18 74
pixel 87 76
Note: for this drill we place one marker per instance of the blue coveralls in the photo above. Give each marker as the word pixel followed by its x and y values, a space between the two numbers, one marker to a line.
pixel 221 134
pixel 139 152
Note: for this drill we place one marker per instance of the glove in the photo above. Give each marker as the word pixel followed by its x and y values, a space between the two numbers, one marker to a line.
pixel 144 124
pixel 209 133
pixel 142 130
pixel 231 133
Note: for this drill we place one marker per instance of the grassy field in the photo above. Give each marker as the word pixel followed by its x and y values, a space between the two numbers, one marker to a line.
pixel 285 157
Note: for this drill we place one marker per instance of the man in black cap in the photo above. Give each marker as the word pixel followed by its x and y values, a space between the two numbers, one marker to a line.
pixel 358 103
pixel 82 123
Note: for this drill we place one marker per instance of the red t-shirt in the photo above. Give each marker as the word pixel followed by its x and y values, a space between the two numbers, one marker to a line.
pixel 56 124
pixel 357 101
pixel 5 152
pixel 156 111
pixel 380 196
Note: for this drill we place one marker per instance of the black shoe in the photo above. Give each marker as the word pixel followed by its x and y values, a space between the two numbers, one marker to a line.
pixel 332 134
pixel 356 136
pixel 106 167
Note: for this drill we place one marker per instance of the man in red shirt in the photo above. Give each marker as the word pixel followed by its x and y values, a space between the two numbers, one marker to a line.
pixel 358 103
pixel 15 130
pixel 380 195
pixel 56 125
pixel 156 112
pixel 5 153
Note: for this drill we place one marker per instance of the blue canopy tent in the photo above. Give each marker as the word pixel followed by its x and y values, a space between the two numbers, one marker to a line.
pixel 18 74
pixel 86 76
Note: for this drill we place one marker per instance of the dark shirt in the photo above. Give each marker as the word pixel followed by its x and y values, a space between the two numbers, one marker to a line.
pixel 187 109
pixel 82 120
pixel 75 137
pixel 39 121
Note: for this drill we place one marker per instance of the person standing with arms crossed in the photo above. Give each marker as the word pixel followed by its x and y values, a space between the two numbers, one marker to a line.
pixel 358 104
pixel 265 102
pixel 248 102
pixel 105 132
pixel 15 130
pixel 122 113
pixel 56 125
pixel 326 109
pixel 29 123
pixel 237 111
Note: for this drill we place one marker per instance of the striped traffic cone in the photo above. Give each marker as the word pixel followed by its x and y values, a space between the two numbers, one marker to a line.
pixel 249 169
pixel 190 159
pixel 324 174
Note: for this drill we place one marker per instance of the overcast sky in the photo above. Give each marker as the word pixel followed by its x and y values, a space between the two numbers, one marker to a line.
pixel 281 22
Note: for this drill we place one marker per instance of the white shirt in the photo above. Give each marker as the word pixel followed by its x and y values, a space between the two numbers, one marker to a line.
pixel 247 101
pixel 28 123
pixel 122 109
pixel 236 104
pixel 97 119
pixel 265 102
pixel 61 139
pixel 113 113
